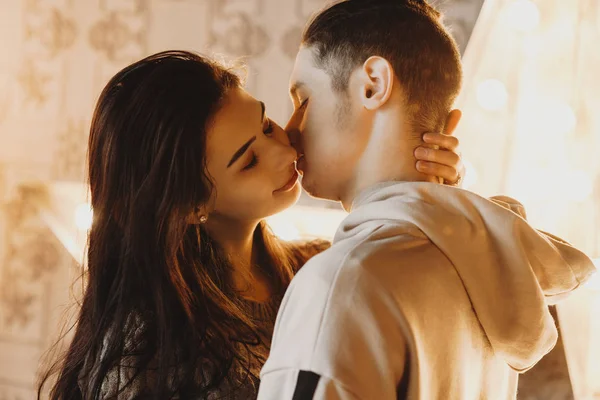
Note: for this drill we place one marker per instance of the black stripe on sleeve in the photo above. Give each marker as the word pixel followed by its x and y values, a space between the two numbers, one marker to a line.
pixel 306 385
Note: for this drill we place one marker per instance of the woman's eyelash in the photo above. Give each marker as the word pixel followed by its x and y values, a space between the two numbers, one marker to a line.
pixel 252 162
pixel 304 103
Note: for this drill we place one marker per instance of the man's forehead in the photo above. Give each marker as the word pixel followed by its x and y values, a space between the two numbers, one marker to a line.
pixel 304 61
pixel 295 79
pixel 304 70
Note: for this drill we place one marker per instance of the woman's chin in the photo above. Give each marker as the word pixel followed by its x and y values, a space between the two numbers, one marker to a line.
pixel 296 192
pixel 287 199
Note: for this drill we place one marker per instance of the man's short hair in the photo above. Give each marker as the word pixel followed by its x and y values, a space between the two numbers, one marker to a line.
pixel 407 33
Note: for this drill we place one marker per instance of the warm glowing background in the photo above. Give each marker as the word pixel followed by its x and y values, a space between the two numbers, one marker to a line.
pixel 532 130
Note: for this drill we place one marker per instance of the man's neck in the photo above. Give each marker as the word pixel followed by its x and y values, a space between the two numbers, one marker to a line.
pixel 388 157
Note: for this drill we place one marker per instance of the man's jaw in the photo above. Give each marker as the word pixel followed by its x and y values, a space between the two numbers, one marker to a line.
pixel 322 190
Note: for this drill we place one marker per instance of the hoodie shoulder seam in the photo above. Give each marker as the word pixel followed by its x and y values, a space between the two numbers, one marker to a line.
pixel 330 291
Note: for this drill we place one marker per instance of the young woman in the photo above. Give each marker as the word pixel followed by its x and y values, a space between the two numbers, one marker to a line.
pixel 184 277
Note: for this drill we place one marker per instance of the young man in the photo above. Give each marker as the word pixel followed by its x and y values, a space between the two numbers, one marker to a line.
pixel 428 291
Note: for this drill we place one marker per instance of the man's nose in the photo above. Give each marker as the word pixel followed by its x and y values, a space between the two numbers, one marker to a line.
pixel 293 131
pixel 295 140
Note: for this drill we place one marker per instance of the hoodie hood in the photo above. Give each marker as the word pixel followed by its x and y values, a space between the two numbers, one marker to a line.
pixel 510 271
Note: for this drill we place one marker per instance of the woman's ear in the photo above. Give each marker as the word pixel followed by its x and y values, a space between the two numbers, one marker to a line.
pixel 378 82
pixel 199 215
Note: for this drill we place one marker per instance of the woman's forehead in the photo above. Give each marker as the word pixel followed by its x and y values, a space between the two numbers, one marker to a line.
pixel 236 121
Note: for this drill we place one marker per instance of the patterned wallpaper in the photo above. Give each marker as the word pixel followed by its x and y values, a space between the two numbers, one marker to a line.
pixel 57 55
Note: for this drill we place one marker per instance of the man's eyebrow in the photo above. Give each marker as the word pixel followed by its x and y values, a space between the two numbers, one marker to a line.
pixel 295 87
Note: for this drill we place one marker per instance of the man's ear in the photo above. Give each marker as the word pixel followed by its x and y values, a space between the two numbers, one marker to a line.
pixel 452 121
pixel 377 82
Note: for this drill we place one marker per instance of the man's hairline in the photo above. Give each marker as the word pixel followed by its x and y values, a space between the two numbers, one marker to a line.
pixel 323 67
pixel 297 83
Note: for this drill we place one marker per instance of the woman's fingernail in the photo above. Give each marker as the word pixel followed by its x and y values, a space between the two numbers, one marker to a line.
pixel 421 152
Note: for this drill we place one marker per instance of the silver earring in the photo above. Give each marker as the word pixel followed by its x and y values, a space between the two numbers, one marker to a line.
pixel 202 217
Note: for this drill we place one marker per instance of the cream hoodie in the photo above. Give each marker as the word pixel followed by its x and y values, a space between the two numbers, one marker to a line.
pixel 428 292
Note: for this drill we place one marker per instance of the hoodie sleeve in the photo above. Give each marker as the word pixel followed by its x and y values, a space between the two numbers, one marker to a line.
pixel 336 338
pixel 296 384
pixel 578 263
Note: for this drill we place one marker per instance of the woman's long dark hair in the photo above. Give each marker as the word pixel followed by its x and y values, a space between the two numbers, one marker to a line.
pixel 158 290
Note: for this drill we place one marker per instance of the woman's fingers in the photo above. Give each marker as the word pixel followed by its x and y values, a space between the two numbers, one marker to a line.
pixel 439 156
pixel 449 174
pixel 446 141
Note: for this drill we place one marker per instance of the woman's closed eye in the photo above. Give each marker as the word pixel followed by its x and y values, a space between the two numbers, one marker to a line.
pixel 253 162
pixel 267 130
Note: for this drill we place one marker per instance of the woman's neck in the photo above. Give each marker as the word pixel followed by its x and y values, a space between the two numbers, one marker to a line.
pixel 236 238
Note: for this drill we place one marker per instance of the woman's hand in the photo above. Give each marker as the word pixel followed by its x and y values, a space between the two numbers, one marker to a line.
pixel 441 159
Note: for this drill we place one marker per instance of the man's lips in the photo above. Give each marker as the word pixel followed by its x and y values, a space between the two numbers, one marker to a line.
pixel 300 164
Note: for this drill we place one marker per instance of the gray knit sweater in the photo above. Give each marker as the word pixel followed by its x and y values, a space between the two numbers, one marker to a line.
pixel 264 315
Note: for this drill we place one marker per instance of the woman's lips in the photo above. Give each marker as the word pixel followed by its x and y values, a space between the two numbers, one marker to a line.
pixel 290 184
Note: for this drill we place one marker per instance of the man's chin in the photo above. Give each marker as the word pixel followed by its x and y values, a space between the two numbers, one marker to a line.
pixel 314 191
pixel 306 185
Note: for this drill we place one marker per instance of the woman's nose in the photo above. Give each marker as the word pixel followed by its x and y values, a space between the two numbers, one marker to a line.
pixel 282 157
pixel 283 152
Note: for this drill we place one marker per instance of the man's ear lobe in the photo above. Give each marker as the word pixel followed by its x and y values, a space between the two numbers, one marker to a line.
pixel 378 82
